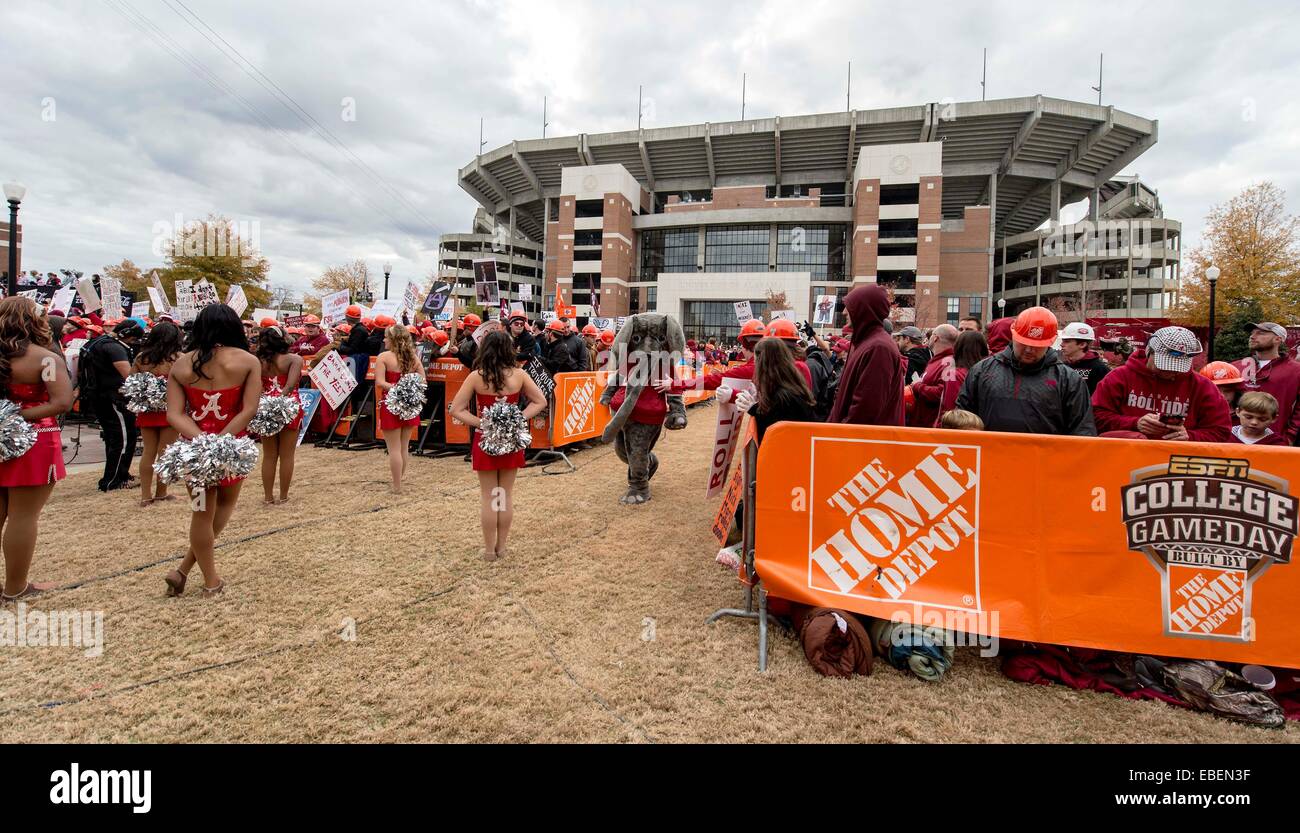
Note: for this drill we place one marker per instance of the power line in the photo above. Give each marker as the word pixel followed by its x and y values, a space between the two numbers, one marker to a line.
pixel 162 39
pixel 292 106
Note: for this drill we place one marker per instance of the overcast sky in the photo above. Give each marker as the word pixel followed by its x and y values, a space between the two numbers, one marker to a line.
pixel 113 135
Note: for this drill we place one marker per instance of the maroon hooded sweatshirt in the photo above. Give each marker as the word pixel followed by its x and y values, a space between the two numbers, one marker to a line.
pixel 1131 391
pixel 1281 378
pixel 999 335
pixel 871 387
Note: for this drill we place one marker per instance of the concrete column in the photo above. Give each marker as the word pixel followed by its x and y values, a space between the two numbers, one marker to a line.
pixel 1094 204
pixel 993 219
pixel 1055 203
pixel 771 247
pixel 1038 275
pixel 1004 271
pixel 1129 303
pixel 699 250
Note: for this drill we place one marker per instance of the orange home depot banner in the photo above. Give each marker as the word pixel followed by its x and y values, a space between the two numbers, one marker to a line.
pixel 452 374
pixel 578 412
pixel 1179 549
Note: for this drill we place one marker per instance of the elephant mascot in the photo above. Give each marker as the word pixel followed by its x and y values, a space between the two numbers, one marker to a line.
pixel 645 349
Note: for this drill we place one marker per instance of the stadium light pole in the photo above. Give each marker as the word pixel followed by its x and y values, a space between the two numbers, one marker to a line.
pixel 1212 275
pixel 14 193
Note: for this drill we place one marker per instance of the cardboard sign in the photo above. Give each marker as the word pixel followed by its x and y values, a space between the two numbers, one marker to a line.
pixel 62 300
pixel 824 312
pixel 111 290
pixel 390 306
pixel 236 299
pixel 72 353
pixel 162 304
pixel 744 312
pixel 205 294
pixel 724 517
pixel 310 400
pixel 333 378
pixel 725 437
pixel 159 305
pixel 89 297
pixel 487 290
pixel 260 313
pixel 186 308
pixel 1168 549
pixel 333 307
pixel 526 291
pixel 487 327
pixel 437 298
pixel 140 310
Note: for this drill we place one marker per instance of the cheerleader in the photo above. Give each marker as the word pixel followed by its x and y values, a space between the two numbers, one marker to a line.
pixel 497 377
pixel 397 360
pixel 281 371
pixel 213 389
pixel 159 350
pixel 35 378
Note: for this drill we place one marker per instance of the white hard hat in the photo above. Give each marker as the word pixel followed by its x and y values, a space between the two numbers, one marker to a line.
pixel 1078 330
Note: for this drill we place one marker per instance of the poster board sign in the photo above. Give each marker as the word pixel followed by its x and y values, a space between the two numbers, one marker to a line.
pixel 548 316
pixel 162 304
pixel 725 437
pixel 310 399
pixel 333 306
pixel 72 353
pixel 333 378
pixel 260 313
pixel 205 294
pixel 159 305
pixel 236 299
pixel 448 311
pixel 487 291
pixel 389 306
pixel 723 518
pixel 487 327
pixel 411 300
pixel 786 314
pixel 438 297
pixel 602 323
pixel 140 309
pixel 186 308
pixel 517 306
pixel 526 291
pixel 62 300
pixel 824 311
pixel 1167 549
pixel 744 312
pixel 294 320
pixel 619 322
pixel 111 290
pixel 89 297
pixel 537 371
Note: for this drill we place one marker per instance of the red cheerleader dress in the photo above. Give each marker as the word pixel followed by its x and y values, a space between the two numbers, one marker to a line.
pixel 43 462
pixel 152 419
pixel 213 410
pixel 480 460
pixel 275 384
pixel 388 421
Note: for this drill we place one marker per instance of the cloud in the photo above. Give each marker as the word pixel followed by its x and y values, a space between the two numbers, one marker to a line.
pixel 139 136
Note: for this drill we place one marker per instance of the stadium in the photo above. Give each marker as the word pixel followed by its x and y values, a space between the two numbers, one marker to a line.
pixel 955 206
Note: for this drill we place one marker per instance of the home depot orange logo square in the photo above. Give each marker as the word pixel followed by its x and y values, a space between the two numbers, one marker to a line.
pixel 895 522
pixel 579 395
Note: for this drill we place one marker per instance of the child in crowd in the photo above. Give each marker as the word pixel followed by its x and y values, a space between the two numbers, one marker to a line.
pixel 960 420
pixel 1226 377
pixel 1256 411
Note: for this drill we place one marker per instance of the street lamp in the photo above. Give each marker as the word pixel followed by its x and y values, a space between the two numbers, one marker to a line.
pixel 388 268
pixel 14 193
pixel 1002 305
pixel 1212 275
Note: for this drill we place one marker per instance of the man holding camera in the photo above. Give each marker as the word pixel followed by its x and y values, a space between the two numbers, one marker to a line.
pixel 1157 396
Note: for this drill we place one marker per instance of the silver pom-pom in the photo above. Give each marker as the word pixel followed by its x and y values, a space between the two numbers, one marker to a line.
pixel 273 413
pixel 17 435
pixel 145 393
pixel 206 460
pixel 405 398
pixel 502 429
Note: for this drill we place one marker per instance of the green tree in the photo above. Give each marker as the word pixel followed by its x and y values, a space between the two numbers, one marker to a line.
pixel 1237 322
pixel 213 250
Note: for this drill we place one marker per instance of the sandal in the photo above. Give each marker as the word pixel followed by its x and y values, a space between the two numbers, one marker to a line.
pixel 175 583
pixel 32 589
pixel 209 592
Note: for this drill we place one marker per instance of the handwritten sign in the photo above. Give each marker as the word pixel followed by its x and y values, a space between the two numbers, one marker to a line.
pixel 333 378
pixel 333 307
pixel 236 299
pixel 89 297
pixel 112 292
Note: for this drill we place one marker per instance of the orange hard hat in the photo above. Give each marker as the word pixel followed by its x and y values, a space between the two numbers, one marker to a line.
pixel 783 329
pixel 353 311
pixel 1035 327
pixel 310 319
pixel 412 329
pixel 297 331
pixel 470 321
pixel 1221 373
pixel 344 328
pixel 591 330
pixel 607 336
pixel 518 314
pixel 267 322
pixel 368 323
pixel 753 328
pixel 573 326
pixel 384 321
pixel 439 337
pixel 557 325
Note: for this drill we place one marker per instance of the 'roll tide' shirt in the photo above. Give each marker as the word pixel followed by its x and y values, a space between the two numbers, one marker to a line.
pixel 1132 391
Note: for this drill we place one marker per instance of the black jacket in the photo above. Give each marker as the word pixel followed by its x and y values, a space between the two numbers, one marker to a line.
pixel 918 358
pixel 525 346
pixel 1091 367
pixel 356 342
pixel 467 350
pixel 1048 398
pixel 565 355
pixel 375 342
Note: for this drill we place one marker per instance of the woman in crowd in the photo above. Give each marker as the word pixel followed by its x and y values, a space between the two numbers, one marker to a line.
pixel 781 393
pixel 281 371
pixel 396 361
pixel 970 349
pixel 26 351
pixel 159 349
pixel 213 389
pixel 496 378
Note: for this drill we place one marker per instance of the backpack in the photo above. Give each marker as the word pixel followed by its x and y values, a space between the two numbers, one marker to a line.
pixel 86 370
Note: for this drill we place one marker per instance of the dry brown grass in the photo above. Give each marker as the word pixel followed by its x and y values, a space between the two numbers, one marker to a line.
pixel 545 646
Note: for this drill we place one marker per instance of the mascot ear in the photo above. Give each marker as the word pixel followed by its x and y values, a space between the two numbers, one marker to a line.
pixel 624 335
pixel 673 335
